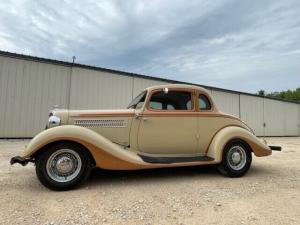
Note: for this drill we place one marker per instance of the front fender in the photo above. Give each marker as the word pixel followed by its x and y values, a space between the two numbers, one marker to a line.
pixel 219 141
pixel 107 154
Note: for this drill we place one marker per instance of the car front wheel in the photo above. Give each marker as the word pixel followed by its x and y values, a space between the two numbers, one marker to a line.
pixel 63 166
pixel 236 159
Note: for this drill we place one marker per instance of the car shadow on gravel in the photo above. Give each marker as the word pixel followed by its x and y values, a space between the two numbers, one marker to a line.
pixel 108 177
pixel 178 174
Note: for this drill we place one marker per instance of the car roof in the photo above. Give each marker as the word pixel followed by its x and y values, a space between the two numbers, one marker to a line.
pixel 179 86
pixel 189 87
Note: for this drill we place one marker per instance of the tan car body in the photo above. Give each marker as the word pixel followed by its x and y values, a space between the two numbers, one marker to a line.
pixel 117 138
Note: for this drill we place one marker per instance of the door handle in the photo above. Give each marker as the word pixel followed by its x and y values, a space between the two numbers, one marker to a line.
pixel 137 115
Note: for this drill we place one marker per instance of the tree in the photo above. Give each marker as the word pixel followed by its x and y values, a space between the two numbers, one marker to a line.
pixel 293 95
pixel 261 93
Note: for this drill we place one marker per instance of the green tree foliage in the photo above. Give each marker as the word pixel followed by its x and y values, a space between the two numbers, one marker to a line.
pixel 261 93
pixel 286 95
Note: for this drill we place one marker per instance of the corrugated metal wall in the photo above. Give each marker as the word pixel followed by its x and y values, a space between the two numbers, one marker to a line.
pixel 252 112
pixel 291 117
pixel 227 102
pixel 140 84
pixel 92 89
pixel 274 115
pixel 28 90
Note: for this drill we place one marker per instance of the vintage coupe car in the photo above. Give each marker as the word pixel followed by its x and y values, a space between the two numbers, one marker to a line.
pixel 164 126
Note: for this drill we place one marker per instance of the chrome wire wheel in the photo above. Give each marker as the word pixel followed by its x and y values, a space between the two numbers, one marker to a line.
pixel 63 165
pixel 236 157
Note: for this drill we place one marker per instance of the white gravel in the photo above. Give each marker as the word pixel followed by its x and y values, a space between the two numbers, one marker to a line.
pixel 268 194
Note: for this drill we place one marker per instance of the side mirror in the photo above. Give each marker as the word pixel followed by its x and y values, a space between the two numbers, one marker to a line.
pixel 166 90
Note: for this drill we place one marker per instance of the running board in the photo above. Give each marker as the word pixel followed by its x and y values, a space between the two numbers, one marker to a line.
pixel 168 160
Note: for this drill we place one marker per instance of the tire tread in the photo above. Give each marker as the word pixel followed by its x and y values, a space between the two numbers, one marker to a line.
pixel 225 169
pixel 41 162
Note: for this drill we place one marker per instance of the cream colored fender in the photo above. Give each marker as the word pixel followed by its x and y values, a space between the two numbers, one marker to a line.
pixel 107 154
pixel 218 143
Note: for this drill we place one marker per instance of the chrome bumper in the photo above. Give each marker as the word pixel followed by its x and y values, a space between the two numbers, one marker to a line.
pixel 20 160
pixel 275 147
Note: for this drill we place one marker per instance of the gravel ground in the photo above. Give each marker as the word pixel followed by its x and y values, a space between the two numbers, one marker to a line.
pixel 268 194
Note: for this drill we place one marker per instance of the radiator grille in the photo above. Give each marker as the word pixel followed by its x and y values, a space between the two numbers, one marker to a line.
pixel 101 123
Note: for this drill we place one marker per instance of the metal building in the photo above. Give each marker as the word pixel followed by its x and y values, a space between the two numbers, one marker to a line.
pixel 30 86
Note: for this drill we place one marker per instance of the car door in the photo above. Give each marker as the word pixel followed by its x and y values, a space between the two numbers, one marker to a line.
pixel 168 124
pixel 208 122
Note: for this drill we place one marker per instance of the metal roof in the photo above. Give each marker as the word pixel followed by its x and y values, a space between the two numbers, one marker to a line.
pixel 70 64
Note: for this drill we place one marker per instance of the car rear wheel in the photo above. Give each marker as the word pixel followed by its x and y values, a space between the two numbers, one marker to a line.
pixel 236 159
pixel 63 166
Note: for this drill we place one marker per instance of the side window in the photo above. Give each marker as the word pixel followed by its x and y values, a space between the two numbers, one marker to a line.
pixel 204 103
pixel 173 100
pixel 156 105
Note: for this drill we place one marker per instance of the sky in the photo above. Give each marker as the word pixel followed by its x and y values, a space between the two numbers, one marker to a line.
pixel 244 45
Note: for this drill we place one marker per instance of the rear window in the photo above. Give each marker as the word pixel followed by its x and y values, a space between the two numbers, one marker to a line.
pixel 204 103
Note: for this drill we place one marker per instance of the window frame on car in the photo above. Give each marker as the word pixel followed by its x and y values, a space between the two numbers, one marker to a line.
pixel 208 100
pixel 134 102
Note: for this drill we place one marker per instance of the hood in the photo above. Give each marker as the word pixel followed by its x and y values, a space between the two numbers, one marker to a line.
pixel 101 113
pixel 65 115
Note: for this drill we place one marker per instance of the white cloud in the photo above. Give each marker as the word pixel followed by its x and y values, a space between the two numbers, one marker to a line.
pixel 244 45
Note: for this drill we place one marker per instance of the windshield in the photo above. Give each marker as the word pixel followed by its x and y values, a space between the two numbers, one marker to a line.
pixel 138 101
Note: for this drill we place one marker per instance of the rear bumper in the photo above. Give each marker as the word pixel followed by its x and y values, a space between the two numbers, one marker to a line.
pixel 21 160
pixel 275 147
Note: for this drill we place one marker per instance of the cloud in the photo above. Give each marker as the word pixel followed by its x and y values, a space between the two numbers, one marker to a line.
pixel 241 45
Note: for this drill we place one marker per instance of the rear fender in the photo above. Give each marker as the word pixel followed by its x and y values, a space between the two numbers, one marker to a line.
pixel 106 154
pixel 227 134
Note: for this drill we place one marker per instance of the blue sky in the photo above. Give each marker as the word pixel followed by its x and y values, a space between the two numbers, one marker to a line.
pixel 240 45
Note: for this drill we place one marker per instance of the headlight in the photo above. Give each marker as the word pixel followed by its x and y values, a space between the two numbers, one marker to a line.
pixel 53 121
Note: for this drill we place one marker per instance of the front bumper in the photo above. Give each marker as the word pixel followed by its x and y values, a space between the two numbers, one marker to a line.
pixel 275 147
pixel 21 160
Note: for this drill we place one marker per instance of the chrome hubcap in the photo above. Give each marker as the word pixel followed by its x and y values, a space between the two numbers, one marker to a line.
pixel 63 165
pixel 237 157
